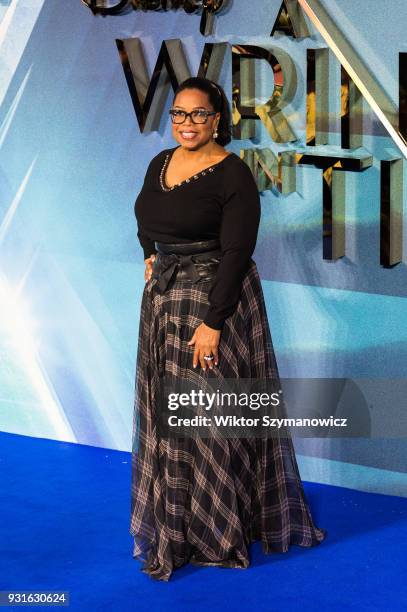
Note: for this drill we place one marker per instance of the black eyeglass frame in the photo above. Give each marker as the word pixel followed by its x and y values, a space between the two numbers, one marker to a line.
pixel 202 110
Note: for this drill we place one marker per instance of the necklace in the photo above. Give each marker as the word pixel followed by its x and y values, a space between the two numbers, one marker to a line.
pixel 187 180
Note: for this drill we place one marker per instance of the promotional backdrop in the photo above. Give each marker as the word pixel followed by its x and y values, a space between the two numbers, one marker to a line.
pixel 72 160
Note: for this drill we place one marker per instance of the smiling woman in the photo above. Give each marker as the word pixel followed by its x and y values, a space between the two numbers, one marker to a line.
pixel 204 500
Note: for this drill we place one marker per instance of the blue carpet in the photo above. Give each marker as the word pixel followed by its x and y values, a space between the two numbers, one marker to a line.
pixel 64 526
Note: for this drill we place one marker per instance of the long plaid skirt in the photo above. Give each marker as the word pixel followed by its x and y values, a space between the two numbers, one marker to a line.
pixel 204 500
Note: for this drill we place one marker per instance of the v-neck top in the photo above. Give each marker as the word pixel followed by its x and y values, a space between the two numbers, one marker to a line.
pixel 165 165
pixel 221 201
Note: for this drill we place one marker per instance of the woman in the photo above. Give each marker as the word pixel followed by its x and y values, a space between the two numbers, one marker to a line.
pixel 203 500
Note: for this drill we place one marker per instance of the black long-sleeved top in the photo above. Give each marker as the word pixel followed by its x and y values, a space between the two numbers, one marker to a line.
pixel 222 202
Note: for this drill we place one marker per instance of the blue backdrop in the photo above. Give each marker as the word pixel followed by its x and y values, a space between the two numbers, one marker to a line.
pixel 72 160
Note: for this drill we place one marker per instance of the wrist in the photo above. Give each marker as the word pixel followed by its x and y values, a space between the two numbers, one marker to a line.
pixel 149 257
pixel 213 321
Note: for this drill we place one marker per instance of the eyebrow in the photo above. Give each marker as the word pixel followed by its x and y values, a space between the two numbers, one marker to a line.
pixel 195 107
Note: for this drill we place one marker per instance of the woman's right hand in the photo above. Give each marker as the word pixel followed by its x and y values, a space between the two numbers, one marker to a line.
pixel 149 267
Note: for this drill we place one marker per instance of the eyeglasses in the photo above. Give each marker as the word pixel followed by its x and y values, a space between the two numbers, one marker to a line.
pixel 197 116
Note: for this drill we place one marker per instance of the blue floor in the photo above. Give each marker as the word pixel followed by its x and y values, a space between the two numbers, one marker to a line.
pixel 64 519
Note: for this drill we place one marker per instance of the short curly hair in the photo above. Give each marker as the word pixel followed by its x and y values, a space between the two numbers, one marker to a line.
pixel 217 99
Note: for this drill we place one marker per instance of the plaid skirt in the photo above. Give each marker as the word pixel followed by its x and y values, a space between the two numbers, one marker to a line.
pixel 204 500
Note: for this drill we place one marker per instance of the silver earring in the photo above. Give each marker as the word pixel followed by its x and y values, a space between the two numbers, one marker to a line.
pixel 215 134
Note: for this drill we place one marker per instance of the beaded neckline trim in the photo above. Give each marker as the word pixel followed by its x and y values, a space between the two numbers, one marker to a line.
pixel 196 176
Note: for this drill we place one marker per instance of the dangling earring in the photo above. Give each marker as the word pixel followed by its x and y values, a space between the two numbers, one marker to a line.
pixel 215 134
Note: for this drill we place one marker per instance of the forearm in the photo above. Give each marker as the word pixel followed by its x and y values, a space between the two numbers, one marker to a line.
pixel 225 292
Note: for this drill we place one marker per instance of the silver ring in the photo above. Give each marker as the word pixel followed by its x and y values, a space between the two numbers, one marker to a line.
pixel 208 357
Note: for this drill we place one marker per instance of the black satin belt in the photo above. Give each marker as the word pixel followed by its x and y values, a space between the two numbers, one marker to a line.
pixel 185 261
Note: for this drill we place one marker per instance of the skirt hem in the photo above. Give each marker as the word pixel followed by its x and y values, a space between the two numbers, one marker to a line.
pixel 159 573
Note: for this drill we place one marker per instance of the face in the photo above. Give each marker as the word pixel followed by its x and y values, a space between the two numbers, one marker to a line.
pixel 193 135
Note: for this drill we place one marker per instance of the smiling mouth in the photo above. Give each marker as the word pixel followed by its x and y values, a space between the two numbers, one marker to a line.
pixel 188 135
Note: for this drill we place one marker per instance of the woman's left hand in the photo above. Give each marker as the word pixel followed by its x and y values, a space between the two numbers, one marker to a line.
pixel 206 340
